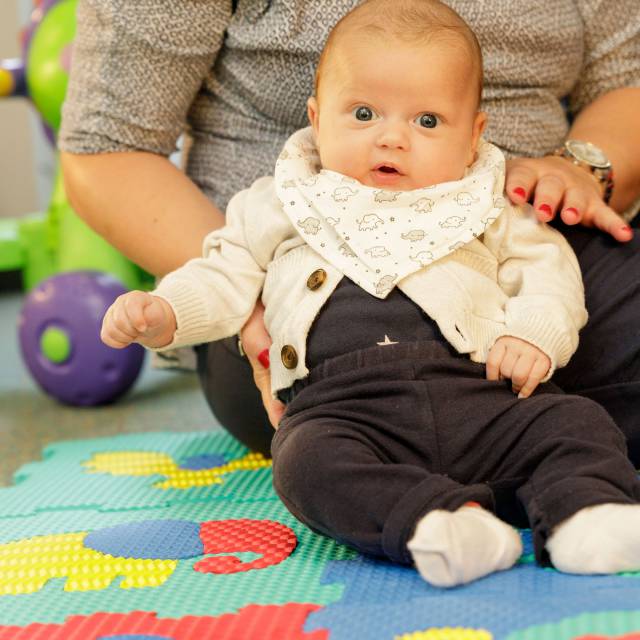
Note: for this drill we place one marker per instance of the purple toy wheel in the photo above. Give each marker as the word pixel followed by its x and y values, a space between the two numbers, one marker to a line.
pixel 59 329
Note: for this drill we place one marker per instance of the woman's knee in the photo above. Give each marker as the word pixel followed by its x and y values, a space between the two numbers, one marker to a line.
pixel 227 383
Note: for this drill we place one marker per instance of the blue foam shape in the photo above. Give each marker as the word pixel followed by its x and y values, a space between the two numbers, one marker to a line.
pixel 527 542
pixel 382 600
pixel 149 540
pixel 203 461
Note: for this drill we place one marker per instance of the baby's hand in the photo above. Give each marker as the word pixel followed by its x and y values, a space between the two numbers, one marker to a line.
pixel 137 316
pixel 518 360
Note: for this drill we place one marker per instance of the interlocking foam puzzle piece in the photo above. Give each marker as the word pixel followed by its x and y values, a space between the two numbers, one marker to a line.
pixel 363 598
pixel 144 553
pixel 447 633
pixel 383 600
pixel 27 565
pixel 151 463
pixel 626 636
pixel 295 579
pixel 602 625
pixel 131 636
pixel 244 477
pixel 155 539
pixel 149 539
pixel 273 540
pixel 253 622
pixel 203 461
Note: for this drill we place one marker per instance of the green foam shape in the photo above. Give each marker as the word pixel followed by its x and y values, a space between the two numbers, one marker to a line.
pixel 607 623
pixel 86 502
pixel 75 488
pixel 296 579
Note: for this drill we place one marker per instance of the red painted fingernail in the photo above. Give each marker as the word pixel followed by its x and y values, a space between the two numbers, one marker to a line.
pixel 263 358
pixel 471 503
pixel 519 191
pixel 545 208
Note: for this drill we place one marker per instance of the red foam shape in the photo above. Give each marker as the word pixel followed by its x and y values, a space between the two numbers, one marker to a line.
pixel 267 622
pixel 273 540
pixel 634 635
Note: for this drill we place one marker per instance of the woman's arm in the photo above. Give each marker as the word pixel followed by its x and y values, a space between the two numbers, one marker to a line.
pixel 154 214
pixel 137 69
pixel 610 122
pixel 142 204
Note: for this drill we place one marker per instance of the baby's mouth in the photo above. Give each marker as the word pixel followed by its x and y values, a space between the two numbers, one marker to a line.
pixel 387 168
pixel 386 175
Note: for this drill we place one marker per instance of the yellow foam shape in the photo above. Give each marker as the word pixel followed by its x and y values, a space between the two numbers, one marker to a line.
pixel 447 633
pixel 131 463
pixel 186 478
pixel 27 565
pixel 148 463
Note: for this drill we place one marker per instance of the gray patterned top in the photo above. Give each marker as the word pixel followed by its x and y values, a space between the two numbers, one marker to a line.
pixel 144 71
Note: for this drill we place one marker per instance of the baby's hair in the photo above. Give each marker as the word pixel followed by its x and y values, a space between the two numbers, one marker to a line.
pixel 411 21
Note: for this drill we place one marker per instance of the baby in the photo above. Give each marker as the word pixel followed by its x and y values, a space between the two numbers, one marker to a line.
pixel 413 313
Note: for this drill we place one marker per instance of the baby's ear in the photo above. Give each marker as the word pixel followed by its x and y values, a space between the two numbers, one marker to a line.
pixel 313 114
pixel 479 124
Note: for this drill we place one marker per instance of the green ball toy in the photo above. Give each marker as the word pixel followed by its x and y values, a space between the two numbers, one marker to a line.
pixel 46 74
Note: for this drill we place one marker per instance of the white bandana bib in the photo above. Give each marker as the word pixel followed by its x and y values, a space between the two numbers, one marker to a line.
pixel 378 237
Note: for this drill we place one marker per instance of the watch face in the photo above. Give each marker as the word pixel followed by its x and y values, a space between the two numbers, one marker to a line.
pixel 589 153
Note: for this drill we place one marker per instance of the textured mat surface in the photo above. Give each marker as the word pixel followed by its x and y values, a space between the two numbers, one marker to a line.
pixel 180 536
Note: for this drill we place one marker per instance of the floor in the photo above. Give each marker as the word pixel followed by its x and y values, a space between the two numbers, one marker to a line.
pixel 29 420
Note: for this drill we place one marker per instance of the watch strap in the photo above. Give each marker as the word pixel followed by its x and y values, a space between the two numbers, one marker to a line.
pixel 603 175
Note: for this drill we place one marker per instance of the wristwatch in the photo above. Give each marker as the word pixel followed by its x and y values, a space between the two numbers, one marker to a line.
pixel 591 158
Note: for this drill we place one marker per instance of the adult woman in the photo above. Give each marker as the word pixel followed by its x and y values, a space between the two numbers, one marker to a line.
pixel 238 74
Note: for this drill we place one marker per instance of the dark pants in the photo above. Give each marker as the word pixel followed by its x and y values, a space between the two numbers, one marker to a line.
pixel 375 439
pixel 606 367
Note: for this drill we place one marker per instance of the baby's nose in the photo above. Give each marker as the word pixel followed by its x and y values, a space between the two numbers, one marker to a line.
pixel 394 134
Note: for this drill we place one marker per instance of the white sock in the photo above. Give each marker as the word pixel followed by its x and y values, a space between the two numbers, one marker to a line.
pixel 600 539
pixel 456 547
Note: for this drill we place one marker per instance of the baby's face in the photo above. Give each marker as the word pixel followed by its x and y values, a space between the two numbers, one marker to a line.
pixel 397 117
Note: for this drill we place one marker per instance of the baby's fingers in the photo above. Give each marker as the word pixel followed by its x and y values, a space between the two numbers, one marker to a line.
pixel 119 324
pixel 120 318
pixel 538 371
pixel 111 334
pixel 521 372
pixel 494 360
pixel 134 305
pixel 154 314
pixel 115 339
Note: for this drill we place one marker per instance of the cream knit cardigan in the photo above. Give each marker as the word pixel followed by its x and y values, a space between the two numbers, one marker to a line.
pixel 520 278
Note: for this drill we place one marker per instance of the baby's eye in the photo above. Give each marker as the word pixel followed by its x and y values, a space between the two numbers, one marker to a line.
pixel 364 114
pixel 427 120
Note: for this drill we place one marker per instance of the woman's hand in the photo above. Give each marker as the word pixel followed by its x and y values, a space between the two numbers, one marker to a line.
pixel 555 184
pixel 255 343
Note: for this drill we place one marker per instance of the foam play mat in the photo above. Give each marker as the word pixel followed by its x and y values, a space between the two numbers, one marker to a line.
pixel 180 536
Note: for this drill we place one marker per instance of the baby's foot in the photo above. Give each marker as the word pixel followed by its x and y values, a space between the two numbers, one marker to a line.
pixel 600 539
pixel 456 547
